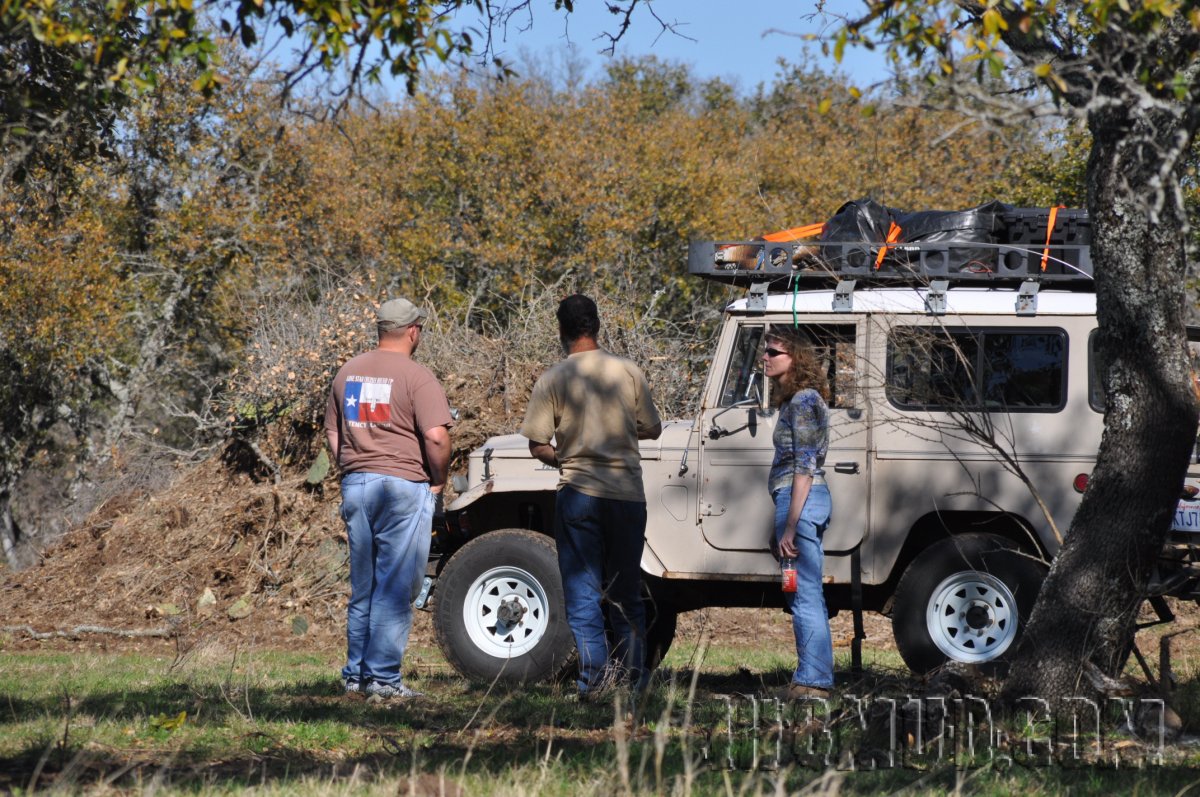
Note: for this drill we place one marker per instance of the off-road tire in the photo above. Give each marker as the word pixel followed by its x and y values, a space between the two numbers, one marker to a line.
pixel 966 598
pixel 661 621
pixel 512 569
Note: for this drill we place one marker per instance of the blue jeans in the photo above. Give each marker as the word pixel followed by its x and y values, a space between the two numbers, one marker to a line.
pixel 388 523
pixel 810 619
pixel 600 544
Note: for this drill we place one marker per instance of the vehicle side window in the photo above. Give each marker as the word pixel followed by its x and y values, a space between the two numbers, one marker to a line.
pixel 742 363
pixel 1096 397
pixel 1095 387
pixel 836 350
pixel 835 347
pixel 934 368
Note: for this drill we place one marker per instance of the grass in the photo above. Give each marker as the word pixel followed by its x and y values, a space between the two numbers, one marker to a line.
pixel 219 721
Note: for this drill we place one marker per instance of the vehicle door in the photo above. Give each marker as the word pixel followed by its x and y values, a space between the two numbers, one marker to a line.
pixel 736 447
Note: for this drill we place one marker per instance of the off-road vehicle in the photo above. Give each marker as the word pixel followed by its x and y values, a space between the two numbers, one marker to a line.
pixel 965 417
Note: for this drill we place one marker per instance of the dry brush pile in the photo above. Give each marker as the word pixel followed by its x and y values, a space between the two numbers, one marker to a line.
pixel 249 544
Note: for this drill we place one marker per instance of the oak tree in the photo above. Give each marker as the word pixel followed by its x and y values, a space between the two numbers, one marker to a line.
pixel 1130 72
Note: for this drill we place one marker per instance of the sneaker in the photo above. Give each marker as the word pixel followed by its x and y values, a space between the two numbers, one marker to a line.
pixel 390 691
pixel 352 686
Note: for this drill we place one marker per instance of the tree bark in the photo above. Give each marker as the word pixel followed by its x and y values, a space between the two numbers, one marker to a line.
pixel 1087 609
pixel 8 533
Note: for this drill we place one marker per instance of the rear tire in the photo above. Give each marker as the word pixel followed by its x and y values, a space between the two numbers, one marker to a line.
pixel 965 599
pixel 498 609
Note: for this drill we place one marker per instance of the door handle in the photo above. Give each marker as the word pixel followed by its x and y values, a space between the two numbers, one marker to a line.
pixel 845 467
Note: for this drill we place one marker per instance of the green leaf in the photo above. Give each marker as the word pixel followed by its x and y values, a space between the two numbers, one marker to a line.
pixel 319 469
pixel 164 722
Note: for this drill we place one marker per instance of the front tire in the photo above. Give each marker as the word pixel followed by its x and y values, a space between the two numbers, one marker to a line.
pixel 965 599
pixel 499 611
pixel 661 622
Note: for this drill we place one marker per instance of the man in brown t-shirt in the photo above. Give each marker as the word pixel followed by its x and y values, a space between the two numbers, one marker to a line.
pixel 387 423
pixel 595 407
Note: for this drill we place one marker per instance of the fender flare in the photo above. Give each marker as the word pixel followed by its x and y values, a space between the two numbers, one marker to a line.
pixel 472 495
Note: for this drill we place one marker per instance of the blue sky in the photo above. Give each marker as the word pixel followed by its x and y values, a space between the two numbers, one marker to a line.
pixel 737 40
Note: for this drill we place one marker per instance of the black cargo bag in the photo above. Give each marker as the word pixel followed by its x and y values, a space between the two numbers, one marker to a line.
pixel 981 225
pixel 852 236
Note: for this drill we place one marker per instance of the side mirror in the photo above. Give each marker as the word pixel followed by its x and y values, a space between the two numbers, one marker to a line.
pixel 751 398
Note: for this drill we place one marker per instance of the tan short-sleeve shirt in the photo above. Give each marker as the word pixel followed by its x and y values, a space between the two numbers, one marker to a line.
pixel 594 404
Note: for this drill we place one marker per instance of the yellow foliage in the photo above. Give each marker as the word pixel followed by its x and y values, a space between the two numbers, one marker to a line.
pixel 61 293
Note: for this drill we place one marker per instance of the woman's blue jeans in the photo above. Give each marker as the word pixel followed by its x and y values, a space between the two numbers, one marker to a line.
pixel 810 619
pixel 600 543
pixel 388 523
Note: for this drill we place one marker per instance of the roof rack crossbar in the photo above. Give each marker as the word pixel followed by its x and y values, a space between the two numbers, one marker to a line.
pixel 825 263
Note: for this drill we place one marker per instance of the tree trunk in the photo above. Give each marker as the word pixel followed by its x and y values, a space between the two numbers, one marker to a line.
pixel 8 532
pixel 1087 609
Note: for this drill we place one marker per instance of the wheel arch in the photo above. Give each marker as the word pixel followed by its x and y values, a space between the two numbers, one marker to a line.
pixel 532 510
pixel 933 527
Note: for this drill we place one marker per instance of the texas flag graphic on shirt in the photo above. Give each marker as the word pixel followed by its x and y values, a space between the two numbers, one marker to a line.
pixel 368 402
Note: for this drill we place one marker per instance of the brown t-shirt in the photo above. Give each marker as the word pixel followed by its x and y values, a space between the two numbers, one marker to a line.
pixel 594 404
pixel 380 404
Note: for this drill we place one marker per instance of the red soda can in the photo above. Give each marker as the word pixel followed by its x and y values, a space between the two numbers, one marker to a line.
pixel 787 573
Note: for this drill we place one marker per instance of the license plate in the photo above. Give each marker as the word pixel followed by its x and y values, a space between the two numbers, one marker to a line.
pixel 1187 516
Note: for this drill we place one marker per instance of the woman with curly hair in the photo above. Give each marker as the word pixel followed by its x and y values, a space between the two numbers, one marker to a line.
pixel 802 502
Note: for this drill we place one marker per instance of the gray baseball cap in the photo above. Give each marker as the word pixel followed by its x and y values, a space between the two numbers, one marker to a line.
pixel 399 313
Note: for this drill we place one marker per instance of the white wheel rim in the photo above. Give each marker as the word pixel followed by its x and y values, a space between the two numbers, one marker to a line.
pixel 505 591
pixel 972 617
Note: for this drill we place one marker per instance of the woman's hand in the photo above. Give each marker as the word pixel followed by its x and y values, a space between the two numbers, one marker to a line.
pixel 787 545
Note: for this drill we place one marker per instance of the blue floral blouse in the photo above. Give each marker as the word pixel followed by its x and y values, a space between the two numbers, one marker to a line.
pixel 801 439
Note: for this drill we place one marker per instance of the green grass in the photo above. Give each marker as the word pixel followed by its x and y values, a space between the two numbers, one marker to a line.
pixel 219 721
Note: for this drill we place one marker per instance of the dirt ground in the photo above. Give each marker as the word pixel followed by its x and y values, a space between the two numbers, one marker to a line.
pixel 221 558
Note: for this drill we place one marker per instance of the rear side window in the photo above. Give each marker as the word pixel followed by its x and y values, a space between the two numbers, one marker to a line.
pixel 973 370
pixel 1096 395
pixel 1095 386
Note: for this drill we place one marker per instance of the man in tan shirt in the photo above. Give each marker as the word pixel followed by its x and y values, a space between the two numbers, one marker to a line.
pixel 585 417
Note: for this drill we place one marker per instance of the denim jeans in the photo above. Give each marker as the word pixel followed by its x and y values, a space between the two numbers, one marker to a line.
pixel 388 522
pixel 600 543
pixel 810 620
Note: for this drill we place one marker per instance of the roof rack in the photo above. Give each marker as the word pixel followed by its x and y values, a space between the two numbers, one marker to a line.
pixel 825 263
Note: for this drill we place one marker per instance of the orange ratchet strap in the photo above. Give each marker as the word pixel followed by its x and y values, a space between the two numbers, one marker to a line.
pixel 1050 232
pixel 796 233
pixel 892 236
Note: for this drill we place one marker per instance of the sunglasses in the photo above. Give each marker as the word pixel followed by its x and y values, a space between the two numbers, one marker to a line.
pixel 770 352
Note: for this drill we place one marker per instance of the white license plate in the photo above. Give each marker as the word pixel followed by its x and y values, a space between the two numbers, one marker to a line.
pixel 1187 516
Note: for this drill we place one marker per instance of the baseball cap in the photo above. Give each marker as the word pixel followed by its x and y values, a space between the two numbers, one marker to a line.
pixel 399 313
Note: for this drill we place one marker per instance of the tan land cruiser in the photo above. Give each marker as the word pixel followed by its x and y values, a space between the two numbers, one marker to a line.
pixel 965 417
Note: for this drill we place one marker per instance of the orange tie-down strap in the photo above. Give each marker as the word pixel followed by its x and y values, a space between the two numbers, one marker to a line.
pixel 1049 232
pixel 796 233
pixel 814 230
pixel 892 236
